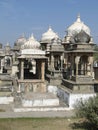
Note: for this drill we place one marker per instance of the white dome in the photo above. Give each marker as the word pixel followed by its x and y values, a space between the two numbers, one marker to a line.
pixel 77 26
pixel 31 43
pixel 20 41
pixel 49 35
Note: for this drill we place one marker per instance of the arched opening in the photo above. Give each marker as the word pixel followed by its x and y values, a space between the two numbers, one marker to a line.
pixel 8 61
pixel 30 70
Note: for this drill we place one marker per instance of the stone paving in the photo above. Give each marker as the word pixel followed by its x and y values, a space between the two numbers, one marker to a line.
pixel 34 114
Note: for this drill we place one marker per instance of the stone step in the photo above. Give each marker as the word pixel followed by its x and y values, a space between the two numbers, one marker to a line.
pixel 27 109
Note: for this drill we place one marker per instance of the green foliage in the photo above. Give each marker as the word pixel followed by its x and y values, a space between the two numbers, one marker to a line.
pixel 89 110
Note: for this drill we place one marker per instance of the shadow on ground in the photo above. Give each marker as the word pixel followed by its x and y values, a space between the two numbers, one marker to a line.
pixel 82 125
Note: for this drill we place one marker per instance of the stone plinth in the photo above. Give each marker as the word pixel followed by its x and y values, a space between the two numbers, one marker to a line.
pixel 6 100
pixel 79 86
pixel 43 109
pixel 71 99
pixel 39 99
pixel 32 85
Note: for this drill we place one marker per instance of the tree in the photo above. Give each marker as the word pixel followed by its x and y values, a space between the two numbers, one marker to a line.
pixel 89 110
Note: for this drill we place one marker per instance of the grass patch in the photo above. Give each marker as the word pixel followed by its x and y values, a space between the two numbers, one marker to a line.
pixel 38 124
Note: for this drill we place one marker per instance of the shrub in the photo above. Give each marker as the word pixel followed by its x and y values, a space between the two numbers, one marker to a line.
pixel 89 110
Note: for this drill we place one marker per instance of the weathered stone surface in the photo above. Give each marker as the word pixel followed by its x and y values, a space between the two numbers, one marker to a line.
pixel 6 100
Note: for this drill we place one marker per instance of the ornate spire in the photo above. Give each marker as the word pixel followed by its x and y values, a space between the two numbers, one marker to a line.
pixel 78 18
pixel 50 28
pixel 32 37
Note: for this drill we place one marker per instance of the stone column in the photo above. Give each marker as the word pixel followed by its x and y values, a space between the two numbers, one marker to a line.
pixel 92 71
pixel 48 61
pixel 52 61
pixel 62 58
pixel 22 70
pixel 77 63
pixel 91 63
pixel 72 61
pixel 65 61
pixel 10 61
pixel 89 69
pixel 76 68
pixel 19 88
pixel 13 58
pixel 82 69
pixel 43 71
pixel 2 64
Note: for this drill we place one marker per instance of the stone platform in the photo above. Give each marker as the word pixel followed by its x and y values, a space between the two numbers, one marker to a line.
pixel 41 109
pixel 6 98
pixel 39 99
pixel 72 98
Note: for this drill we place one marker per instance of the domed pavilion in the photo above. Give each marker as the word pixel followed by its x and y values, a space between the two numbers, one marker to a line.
pixel 32 66
pixel 78 62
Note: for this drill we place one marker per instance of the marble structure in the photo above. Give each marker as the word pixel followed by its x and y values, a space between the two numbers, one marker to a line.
pixel 78 71
pixel 31 76
pixel 6 87
pixel 79 49
pixel 32 66
pixel 57 67
pixel 52 44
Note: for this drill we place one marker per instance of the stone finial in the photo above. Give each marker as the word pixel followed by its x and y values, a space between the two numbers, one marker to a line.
pixel 78 18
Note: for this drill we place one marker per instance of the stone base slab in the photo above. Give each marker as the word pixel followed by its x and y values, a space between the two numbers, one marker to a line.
pixel 40 102
pixel 41 109
pixel 71 99
pixel 39 99
pixel 6 100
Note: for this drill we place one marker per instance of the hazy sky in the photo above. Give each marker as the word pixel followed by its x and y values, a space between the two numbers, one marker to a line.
pixel 34 16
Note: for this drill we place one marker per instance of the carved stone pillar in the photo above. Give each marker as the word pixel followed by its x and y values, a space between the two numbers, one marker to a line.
pixel 72 65
pixel 19 89
pixel 65 61
pixel 43 71
pixel 76 68
pixel 52 61
pixel 11 61
pixel 22 70
pixel 2 64
pixel 77 63
pixel 82 69
pixel 89 69
pixel 48 62
pixel 90 59
pixel 62 58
